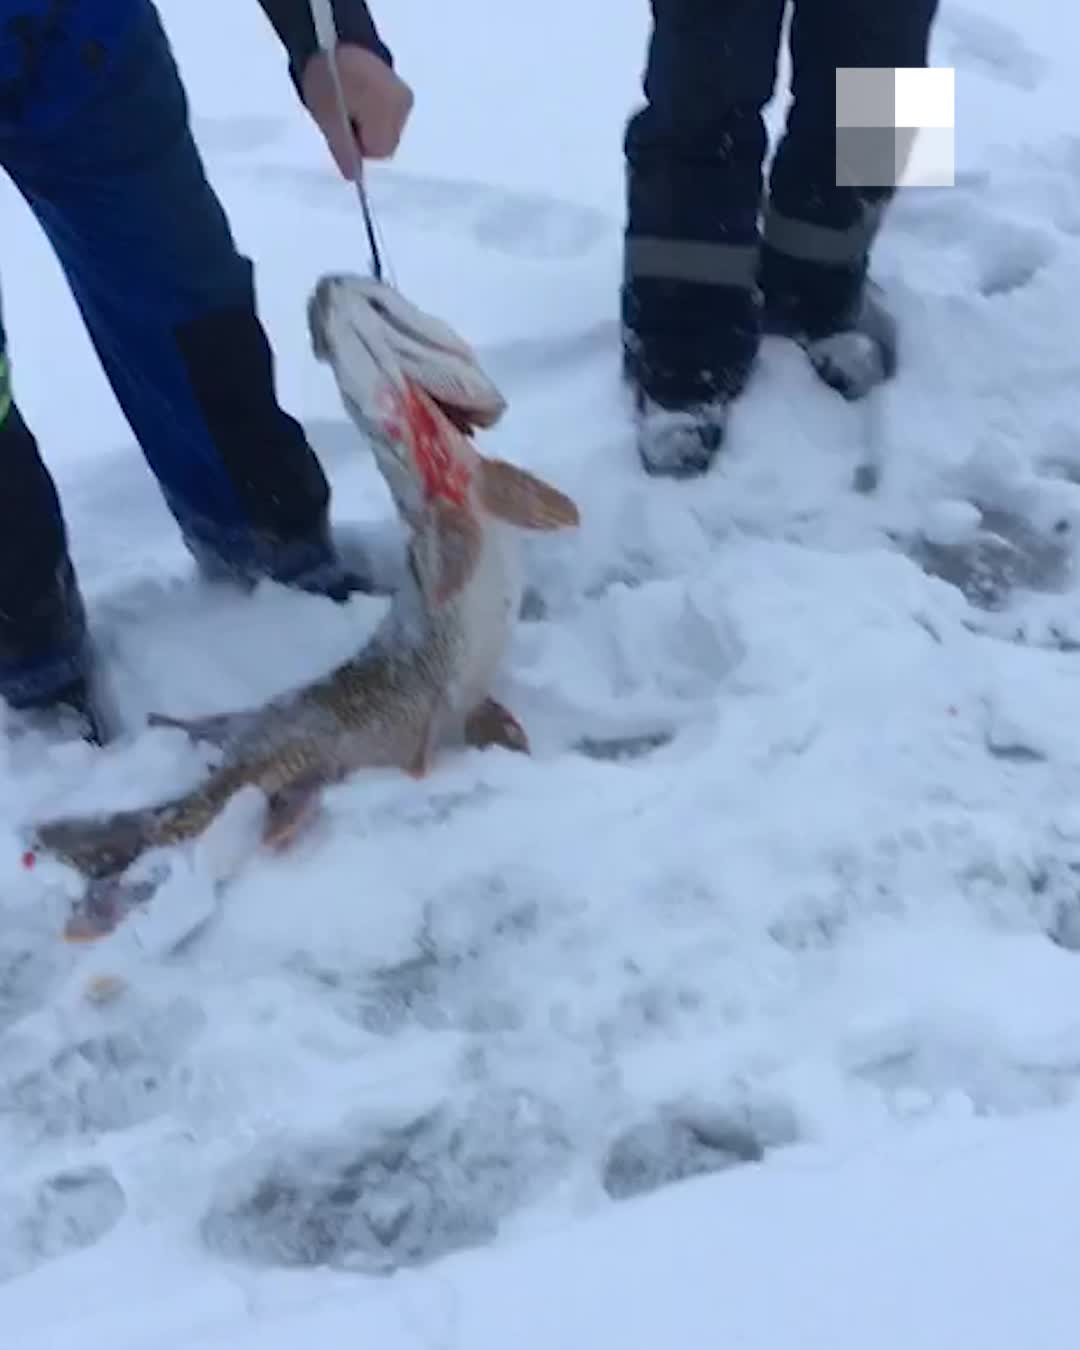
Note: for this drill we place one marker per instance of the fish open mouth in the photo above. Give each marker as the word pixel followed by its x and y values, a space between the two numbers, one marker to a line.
pixel 458 417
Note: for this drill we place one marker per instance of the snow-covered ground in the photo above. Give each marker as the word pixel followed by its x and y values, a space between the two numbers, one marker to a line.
pixel 815 933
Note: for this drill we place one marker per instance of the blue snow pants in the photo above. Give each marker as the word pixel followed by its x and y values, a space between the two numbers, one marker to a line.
pixel 94 133
pixel 706 267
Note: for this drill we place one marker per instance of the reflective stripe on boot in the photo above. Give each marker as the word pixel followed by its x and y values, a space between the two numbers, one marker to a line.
pixel 5 388
pixel 820 245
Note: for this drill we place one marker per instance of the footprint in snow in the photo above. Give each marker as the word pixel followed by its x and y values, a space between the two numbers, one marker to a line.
pixel 521 224
pixel 381 1198
pixel 30 965
pixel 67 1212
pixel 919 1066
pixel 621 749
pixel 976 42
pixel 1009 256
pixel 1061 457
pixel 1005 554
pixel 686 1141
pixel 1063 927
pixel 473 938
pixel 1006 530
pixel 992 254
pixel 112 1081
pixel 1054 881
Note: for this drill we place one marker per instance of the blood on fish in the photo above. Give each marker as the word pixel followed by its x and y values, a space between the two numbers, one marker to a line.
pixel 415 422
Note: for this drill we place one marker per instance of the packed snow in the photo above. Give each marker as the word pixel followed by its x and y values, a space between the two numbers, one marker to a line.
pixel 746 1010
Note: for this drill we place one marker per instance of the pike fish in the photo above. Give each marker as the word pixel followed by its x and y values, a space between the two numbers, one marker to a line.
pixel 423 680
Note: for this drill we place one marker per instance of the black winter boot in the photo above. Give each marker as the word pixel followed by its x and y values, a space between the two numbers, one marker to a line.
pixel 44 650
pixel 71 713
pixel 855 354
pixel 680 412
pixel 679 442
pixel 312 565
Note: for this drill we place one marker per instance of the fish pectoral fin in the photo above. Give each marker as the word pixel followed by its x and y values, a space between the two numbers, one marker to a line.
pixel 290 811
pixel 490 724
pixel 460 541
pixel 520 498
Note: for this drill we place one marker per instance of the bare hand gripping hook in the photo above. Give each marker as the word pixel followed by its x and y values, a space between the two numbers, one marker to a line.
pixel 322 13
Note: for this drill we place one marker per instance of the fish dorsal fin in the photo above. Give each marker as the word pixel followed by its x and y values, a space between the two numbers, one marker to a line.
pixel 520 498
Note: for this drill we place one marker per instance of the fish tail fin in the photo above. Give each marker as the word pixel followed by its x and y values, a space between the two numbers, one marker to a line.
pixel 99 846
pixel 520 498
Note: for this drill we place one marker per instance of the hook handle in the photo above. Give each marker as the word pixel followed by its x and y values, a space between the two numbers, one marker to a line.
pixel 322 14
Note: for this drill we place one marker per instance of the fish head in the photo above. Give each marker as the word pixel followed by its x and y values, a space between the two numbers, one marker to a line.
pixel 349 334
pixel 409 383
pixel 403 340
pixel 415 388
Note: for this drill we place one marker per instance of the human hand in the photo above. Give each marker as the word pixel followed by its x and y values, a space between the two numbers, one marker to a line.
pixel 377 101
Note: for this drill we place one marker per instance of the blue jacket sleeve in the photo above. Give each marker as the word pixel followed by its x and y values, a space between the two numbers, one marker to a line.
pixel 295 26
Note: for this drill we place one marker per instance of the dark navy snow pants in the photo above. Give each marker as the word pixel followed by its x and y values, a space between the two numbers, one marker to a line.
pixel 702 272
pixel 118 186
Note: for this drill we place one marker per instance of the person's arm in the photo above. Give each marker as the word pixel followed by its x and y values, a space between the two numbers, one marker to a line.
pixel 293 22
pixel 378 102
